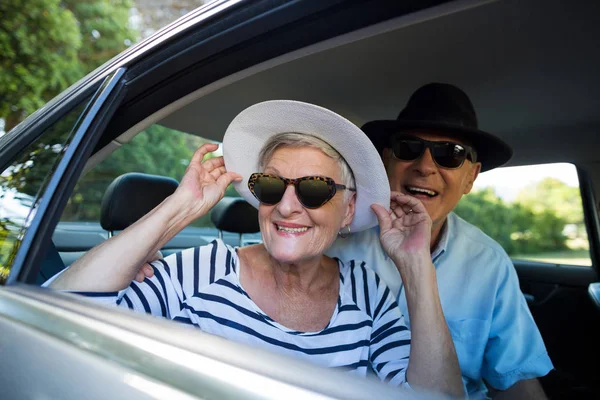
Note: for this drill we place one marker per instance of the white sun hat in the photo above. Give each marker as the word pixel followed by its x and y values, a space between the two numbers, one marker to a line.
pixel 253 127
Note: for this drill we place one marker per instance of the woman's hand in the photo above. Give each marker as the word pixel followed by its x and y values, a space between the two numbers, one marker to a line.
pixel 405 230
pixel 203 183
pixel 405 236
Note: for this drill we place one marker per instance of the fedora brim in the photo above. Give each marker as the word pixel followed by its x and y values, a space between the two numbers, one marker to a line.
pixel 253 127
pixel 491 151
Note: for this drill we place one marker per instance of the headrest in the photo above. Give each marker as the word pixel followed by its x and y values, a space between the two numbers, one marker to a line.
pixel 131 196
pixel 234 214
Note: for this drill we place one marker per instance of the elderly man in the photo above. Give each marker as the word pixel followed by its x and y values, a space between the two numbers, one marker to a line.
pixel 434 152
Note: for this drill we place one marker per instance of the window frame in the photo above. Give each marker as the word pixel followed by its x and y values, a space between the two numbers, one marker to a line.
pixel 91 125
pixel 590 216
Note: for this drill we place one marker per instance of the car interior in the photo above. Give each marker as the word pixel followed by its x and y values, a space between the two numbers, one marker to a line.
pixel 530 69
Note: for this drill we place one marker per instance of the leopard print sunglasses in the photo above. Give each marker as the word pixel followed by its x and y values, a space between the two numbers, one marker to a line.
pixel 312 191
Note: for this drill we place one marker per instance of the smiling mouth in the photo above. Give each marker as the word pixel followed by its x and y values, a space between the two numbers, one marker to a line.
pixel 291 230
pixel 420 191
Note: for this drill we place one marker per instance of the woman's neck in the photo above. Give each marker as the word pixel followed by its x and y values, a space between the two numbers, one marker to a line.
pixel 300 296
pixel 304 277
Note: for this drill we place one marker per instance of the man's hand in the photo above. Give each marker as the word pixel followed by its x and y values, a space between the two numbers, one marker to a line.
pixel 146 271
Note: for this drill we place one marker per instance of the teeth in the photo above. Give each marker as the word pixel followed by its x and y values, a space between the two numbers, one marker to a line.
pixel 419 190
pixel 292 230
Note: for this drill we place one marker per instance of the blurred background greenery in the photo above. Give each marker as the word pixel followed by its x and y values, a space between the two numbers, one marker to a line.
pixel 47 45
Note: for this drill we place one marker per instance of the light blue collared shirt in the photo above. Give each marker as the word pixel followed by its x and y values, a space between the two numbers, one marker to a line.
pixel 494 334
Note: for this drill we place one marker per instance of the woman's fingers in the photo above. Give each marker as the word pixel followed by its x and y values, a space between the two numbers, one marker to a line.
pixel 383 216
pixel 202 151
pixel 226 178
pixel 217 172
pixel 403 204
pixel 213 163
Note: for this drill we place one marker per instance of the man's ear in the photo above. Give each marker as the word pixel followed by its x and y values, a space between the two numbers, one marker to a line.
pixel 350 209
pixel 473 174
pixel 386 155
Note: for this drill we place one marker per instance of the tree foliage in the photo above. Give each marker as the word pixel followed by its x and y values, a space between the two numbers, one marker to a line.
pixel 530 224
pixel 104 30
pixel 553 194
pixel 157 150
pixel 39 43
pixel 47 45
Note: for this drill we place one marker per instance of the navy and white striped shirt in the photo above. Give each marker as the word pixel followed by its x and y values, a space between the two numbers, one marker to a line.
pixel 201 286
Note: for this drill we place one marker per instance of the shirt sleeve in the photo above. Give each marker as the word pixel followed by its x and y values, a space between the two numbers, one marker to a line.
pixel 161 295
pixel 515 349
pixel 390 338
pixel 176 278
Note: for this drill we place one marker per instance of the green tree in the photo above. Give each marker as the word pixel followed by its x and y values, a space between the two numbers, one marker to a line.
pixel 157 150
pixel 553 194
pixel 487 211
pixel 515 226
pixel 104 29
pixel 46 45
pixel 39 43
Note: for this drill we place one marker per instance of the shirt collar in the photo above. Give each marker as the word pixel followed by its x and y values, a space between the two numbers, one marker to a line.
pixel 443 242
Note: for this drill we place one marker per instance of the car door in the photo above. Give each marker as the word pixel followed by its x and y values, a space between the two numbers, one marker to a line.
pixel 557 294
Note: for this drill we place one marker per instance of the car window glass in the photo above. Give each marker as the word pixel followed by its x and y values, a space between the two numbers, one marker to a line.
pixel 157 151
pixel 535 212
pixel 24 181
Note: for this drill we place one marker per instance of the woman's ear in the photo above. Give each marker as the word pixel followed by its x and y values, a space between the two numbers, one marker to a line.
pixel 350 209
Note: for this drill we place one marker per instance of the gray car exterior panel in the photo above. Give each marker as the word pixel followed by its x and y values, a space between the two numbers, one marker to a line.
pixel 171 356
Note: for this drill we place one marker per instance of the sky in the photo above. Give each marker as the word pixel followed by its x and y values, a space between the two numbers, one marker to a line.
pixel 507 182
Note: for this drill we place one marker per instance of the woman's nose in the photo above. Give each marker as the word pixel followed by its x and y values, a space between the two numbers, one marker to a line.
pixel 289 202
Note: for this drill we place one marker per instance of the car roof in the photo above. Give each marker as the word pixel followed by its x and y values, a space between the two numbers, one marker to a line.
pixel 530 69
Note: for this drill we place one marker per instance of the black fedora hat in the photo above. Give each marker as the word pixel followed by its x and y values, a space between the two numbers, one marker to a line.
pixel 444 108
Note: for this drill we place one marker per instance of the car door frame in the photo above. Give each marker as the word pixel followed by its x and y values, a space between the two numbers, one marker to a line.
pixel 90 126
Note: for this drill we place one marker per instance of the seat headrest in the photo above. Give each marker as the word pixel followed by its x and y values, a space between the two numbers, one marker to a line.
pixel 131 196
pixel 234 214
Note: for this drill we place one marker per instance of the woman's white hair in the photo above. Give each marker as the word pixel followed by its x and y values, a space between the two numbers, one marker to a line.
pixel 293 139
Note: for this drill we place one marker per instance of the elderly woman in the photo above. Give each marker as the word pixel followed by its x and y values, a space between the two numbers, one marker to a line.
pixel 312 175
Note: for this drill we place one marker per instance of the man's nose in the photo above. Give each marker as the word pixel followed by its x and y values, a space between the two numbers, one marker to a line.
pixel 425 164
pixel 289 203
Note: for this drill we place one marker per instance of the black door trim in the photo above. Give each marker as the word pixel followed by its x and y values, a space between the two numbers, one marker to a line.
pixel 94 119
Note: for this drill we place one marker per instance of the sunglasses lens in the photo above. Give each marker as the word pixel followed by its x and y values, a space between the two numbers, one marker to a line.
pixel 449 155
pixel 407 149
pixel 269 190
pixel 313 193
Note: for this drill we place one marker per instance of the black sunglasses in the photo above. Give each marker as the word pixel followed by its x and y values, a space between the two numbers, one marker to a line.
pixel 312 191
pixel 448 155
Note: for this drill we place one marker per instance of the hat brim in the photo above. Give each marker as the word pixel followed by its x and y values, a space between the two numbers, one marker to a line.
pixel 253 127
pixel 491 151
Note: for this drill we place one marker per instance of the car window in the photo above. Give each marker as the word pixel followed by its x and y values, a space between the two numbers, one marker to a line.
pixel 535 212
pixel 157 151
pixel 24 181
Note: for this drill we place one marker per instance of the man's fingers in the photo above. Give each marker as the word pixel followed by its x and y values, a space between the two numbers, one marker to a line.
pixel 148 271
pixel 139 277
pixel 385 221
